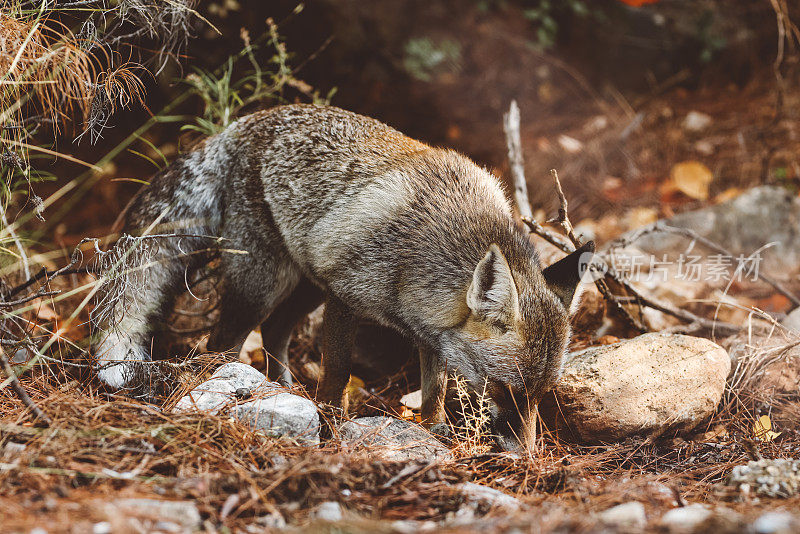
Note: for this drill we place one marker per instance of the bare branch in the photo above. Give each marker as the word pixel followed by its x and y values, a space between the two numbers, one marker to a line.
pixel 511 128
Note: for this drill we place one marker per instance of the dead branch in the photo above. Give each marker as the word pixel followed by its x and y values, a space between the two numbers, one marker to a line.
pixel 511 128
pixel 20 391
pixel 34 296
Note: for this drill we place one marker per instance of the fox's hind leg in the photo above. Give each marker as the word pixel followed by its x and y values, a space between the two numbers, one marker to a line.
pixel 338 329
pixel 255 278
pixel 276 331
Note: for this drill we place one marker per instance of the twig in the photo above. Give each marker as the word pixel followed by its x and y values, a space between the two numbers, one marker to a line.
pixel 20 391
pixel 48 275
pixel 563 213
pixel 511 128
pixel 34 296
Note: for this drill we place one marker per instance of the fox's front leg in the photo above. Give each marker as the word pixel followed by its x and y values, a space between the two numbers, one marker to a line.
pixel 338 327
pixel 434 386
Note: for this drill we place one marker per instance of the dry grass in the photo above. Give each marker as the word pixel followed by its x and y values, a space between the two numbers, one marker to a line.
pixel 105 447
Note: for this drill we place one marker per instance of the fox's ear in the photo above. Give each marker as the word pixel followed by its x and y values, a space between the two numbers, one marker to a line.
pixel 564 276
pixel 492 295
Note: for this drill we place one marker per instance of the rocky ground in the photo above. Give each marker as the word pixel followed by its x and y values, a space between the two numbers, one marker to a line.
pixel 656 432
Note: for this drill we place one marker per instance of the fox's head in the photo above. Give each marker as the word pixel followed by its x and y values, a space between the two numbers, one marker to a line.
pixel 514 337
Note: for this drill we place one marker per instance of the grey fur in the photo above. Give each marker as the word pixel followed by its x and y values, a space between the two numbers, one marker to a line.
pixel 329 204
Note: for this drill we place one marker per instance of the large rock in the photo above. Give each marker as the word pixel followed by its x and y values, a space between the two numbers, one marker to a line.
pixel 652 383
pixel 256 401
pixel 483 499
pixel 280 413
pixel 148 515
pixel 393 439
pixel 757 217
pixel 220 390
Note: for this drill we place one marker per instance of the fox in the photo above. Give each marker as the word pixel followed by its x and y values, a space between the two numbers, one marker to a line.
pixel 311 204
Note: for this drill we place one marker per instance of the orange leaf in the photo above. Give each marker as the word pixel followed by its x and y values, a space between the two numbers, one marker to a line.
pixel 691 178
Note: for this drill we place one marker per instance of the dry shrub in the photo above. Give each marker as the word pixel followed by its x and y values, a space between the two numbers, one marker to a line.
pixel 48 75
pixel 765 379
pixel 44 70
pixel 471 431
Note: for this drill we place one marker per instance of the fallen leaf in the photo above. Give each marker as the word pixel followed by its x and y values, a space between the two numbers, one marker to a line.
pixel 46 313
pixel 728 194
pixel 762 430
pixel 354 386
pixel 691 178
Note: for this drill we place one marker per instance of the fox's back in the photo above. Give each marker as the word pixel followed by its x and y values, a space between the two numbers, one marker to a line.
pixel 353 197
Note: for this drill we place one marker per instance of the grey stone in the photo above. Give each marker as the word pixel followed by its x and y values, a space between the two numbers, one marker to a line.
pixel 149 512
pixel 776 523
pixel 757 217
pixel 792 321
pixel 393 439
pixel 772 478
pixel 329 511
pixel 626 515
pixel 685 519
pixel 696 121
pixel 280 413
pixel 220 390
pixel 484 499
pixel 274 520
pixel 653 382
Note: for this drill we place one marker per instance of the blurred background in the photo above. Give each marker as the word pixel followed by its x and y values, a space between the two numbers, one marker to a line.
pixel 613 93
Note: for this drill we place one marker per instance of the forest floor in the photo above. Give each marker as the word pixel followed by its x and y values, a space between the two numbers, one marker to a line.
pixel 102 449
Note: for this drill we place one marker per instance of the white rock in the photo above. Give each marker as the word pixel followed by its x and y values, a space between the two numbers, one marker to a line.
pixel 483 498
pixel 705 147
pixel 220 390
pixel 413 400
pixel 696 121
pixel 776 523
pixel 626 515
pixel 147 513
pixel 104 527
pixel 274 520
pixel 328 511
pixel 570 144
pixel 652 382
pixel 392 439
pixel 280 413
pixel 792 321
pixel 685 519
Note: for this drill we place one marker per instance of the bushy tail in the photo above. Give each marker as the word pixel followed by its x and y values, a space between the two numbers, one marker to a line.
pixel 177 217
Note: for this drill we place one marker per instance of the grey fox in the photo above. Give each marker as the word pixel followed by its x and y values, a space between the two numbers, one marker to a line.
pixel 310 204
